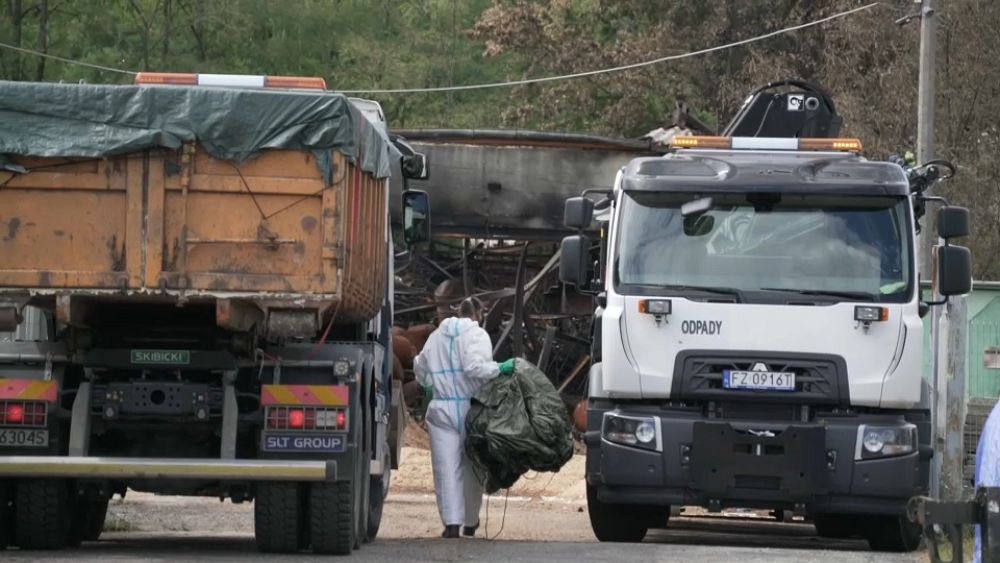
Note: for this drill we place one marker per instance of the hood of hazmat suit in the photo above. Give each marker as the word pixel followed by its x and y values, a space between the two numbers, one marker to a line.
pixel 517 424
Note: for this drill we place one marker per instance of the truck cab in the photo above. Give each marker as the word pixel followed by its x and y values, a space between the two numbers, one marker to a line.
pixel 757 340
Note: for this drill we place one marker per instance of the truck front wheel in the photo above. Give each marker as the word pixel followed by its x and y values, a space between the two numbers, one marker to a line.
pixel 332 513
pixel 615 522
pixel 41 514
pixel 893 533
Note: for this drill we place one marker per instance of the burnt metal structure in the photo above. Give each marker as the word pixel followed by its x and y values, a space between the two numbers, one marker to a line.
pixel 497 219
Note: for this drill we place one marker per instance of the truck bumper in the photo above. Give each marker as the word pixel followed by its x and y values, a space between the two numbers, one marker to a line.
pixel 716 463
pixel 145 468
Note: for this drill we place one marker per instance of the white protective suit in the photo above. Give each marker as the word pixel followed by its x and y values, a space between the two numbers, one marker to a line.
pixel 456 361
pixel 988 464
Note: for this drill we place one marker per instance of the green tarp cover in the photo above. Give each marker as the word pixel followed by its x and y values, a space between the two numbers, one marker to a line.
pixel 85 120
pixel 515 425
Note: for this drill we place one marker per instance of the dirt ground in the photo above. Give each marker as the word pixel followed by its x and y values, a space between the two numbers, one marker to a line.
pixel 543 517
pixel 416 476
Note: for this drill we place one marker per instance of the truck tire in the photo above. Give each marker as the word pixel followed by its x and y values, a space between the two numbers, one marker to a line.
pixel 6 514
pixel 277 518
pixel 88 520
pixel 893 534
pixel 379 489
pixel 332 513
pixel 41 514
pixel 836 526
pixel 615 522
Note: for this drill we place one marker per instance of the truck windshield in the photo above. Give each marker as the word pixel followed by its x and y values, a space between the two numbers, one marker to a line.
pixel 762 247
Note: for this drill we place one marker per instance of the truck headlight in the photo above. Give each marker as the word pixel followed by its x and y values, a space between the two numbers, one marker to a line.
pixel 876 441
pixel 638 431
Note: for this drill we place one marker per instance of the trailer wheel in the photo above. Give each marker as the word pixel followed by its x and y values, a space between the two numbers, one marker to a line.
pixel 379 489
pixel 276 514
pixel 332 513
pixel 41 514
pixel 615 522
pixel 893 533
pixel 6 514
pixel 88 520
pixel 836 526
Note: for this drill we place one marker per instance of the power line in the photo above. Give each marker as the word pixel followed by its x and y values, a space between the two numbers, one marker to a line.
pixel 65 60
pixel 617 68
pixel 512 82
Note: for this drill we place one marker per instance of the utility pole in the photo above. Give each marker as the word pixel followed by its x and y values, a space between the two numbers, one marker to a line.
pixel 928 237
pixel 925 116
pixel 949 336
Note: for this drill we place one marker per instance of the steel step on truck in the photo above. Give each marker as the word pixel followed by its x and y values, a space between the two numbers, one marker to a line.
pixel 196 289
pixel 757 341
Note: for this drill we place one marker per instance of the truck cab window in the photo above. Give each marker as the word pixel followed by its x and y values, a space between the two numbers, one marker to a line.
pixel 797 243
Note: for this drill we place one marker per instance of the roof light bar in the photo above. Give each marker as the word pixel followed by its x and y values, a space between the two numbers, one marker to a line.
pixel 231 80
pixel 767 143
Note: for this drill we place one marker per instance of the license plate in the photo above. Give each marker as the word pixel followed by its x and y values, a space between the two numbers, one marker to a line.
pixel 24 438
pixel 758 380
pixel 304 443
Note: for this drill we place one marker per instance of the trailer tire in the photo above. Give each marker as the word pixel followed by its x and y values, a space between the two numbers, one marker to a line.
pixel 276 513
pixel 378 490
pixel 6 514
pixel 836 526
pixel 332 513
pixel 88 520
pixel 41 514
pixel 893 534
pixel 615 522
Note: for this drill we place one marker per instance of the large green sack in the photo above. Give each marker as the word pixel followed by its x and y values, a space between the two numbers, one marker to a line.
pixel 515 425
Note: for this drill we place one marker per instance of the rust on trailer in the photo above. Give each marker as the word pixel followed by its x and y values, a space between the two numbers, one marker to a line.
pixel 183 224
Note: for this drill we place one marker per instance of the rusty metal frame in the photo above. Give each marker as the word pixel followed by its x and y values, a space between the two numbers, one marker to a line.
pixel 951 516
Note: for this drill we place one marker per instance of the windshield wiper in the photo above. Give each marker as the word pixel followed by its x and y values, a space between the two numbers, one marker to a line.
pixel 853 295
pixel 737 293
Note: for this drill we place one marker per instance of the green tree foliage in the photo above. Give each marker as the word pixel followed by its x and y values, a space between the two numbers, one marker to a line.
pixel 866 61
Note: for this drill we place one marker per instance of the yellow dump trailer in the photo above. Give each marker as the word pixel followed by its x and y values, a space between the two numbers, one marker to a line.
pixel 205 263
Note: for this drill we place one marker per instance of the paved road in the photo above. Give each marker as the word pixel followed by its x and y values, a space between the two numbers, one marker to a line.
pixel 185 529
pixel 689 541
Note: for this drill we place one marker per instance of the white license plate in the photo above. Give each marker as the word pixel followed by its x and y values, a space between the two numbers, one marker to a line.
pixel 23 438
pixel 759 380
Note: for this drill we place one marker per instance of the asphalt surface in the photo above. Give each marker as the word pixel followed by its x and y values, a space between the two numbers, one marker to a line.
pixel 187 547
pixel 411 525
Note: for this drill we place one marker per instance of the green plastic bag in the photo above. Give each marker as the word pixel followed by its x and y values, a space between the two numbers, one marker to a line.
pixel 515 425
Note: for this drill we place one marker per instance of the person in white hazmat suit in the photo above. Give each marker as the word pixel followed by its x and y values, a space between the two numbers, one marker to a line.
pixel 454 363
pixel 987 465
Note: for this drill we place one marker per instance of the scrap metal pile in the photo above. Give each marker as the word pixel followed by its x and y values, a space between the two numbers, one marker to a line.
pixel 496 216
pixel 529 314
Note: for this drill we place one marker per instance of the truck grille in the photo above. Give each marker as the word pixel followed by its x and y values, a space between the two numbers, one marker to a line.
pixel 819 380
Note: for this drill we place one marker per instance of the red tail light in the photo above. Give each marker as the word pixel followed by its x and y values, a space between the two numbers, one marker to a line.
pixel 14 414
pixel 23 413
pixel 306 418
pixel 296 419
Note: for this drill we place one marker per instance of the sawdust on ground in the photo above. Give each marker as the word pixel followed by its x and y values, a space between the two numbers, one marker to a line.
pixel 415 474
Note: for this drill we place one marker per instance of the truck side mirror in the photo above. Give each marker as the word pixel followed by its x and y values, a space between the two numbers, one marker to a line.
pixel 952 222
pixel 578 212
pixel 415 166
pixel 573 256
pixel 416 217
pixel 954 270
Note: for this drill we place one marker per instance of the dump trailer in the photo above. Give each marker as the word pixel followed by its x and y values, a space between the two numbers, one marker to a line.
pixel 758 327
pixel 206 267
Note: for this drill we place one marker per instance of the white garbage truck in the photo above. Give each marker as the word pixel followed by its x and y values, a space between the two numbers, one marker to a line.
pixel 758 336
